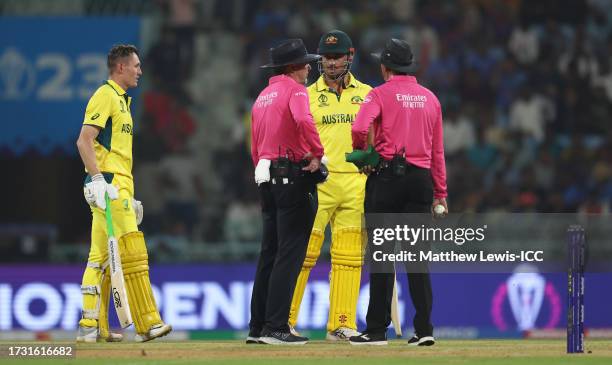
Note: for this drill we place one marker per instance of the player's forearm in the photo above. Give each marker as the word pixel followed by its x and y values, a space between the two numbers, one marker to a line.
pixel 88 155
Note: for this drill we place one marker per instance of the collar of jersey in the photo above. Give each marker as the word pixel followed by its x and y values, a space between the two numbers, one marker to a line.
pixel 115 87
pixel 322 86
pixel 408 78
pixel 280 78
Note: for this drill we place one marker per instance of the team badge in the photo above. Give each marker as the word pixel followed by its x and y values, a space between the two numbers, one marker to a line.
pixel 356 99
pixel 331 40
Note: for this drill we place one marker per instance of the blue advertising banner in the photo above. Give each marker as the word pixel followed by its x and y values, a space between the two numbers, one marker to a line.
pixel 49 67
pixel 217 297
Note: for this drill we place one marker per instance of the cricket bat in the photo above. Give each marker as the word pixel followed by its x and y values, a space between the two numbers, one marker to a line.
pixel 119 294
pixel 397 324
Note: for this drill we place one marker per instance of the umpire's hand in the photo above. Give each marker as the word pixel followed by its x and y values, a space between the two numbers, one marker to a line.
pixel 367 169
pixel 313 166
pixel 442 202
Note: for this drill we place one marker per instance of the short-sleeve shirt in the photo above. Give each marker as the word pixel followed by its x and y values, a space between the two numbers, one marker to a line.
pixel 109 109
pixel 281 122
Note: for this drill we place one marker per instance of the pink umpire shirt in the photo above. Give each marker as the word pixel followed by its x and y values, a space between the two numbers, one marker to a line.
pixel 281 122
pixel 406 116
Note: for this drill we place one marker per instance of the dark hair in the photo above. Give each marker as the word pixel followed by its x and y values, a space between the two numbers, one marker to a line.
pixel 119 51
pixel 279 70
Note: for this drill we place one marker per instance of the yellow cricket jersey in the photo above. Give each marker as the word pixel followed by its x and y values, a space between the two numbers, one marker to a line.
pixel 334 115
pixel 109 109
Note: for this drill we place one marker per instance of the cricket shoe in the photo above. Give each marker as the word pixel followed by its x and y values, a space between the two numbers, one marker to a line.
pixel 91 335
pixel 341 334
pixel 157 330
pixel 293 331
pixel 281 338
pixel 421 341
pixel 253 337
pixel 373 339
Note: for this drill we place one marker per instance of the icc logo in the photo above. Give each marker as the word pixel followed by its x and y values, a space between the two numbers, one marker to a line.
pixel 17 76
pixel 322 100
pixel 526 292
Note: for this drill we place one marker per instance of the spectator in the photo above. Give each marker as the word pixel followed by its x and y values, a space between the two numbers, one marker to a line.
pixel 458 132
pixel 524 44
pixel 527 114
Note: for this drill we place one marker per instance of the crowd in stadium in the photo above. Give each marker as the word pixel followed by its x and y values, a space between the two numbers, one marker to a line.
pixel 526 96
pixel 526 90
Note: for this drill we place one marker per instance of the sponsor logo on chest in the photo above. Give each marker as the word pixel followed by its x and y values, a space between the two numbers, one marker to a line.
pixel 265 100
pixel 337 118
pixel 411 101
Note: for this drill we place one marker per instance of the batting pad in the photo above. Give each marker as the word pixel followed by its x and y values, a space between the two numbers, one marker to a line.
pixel 312 254
pixel 135 263
pixel 90 288
pixel 104 300
pixel 345 278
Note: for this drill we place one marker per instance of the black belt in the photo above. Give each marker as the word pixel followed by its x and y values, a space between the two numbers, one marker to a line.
pixel 286 169
pixel 386 167
pixel 283 171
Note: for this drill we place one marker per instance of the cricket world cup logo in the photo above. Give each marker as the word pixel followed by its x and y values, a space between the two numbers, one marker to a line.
pixel 526 292
pixel 16 75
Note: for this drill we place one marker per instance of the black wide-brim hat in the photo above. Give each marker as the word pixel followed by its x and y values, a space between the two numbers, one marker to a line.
pixel 290 52
pixel 396 56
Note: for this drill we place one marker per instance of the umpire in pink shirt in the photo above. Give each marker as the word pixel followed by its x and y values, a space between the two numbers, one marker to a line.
pixel 411 177
pixel 287 153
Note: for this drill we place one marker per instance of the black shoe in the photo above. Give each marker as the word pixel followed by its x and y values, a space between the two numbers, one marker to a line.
pixel 281 338
pixel 422 341
pixel 369 339
pixel 253 337
pixel 414 340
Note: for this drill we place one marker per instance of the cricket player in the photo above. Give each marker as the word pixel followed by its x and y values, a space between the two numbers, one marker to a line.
pixel 334 102
pixel 105 146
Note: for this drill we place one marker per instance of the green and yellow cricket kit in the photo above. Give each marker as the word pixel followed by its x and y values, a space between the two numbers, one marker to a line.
pixel 109 109
pixel 340 203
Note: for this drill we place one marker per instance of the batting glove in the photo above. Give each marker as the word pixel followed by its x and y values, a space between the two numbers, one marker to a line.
pixel 139 210
pixel 95 191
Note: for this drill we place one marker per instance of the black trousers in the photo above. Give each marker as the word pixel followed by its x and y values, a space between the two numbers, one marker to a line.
pixel 411 193
pixel 288 212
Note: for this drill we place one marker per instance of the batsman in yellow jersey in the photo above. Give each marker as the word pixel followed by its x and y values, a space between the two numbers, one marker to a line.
pixel 334 102
pixel 105 146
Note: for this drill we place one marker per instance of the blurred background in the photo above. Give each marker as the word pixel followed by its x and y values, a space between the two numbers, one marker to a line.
pixel 526 90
